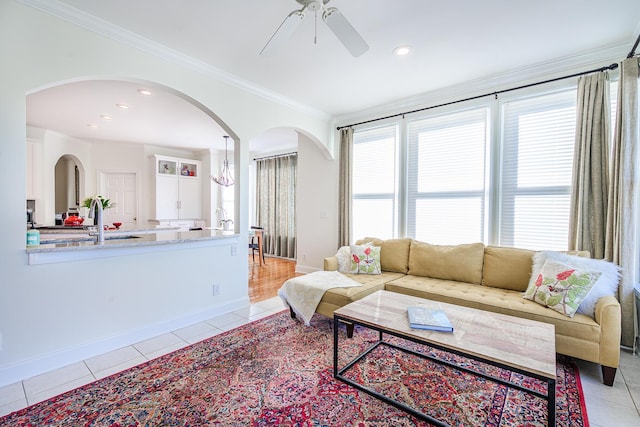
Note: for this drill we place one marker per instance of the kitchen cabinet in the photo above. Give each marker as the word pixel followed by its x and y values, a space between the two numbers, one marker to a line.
pixel 178 191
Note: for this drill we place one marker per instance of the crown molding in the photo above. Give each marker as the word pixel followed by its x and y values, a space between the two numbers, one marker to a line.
pixel 539 72
pixel 107 29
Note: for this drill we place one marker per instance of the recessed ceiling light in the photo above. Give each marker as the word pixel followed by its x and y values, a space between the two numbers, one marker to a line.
pixel 92 126
pixel 402 50
pixel 144 92
pixel 123 106
pixel 106 117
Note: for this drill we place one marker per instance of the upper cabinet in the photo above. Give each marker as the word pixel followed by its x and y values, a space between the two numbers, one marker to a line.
pixel 178 192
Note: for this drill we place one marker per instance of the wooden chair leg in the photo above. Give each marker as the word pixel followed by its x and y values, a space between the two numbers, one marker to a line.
pixel 608 375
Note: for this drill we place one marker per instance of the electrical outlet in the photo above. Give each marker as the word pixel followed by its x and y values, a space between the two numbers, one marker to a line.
pixel 234 250
pixel 216 289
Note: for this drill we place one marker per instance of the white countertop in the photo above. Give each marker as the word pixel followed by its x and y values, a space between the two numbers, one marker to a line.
pixel 113 239
pixel 145 241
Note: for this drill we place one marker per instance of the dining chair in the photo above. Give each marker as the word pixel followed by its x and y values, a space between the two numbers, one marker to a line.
pixel 255 244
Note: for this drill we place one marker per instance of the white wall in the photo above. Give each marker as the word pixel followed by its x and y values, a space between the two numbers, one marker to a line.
pixel 55 314
pixel 316 205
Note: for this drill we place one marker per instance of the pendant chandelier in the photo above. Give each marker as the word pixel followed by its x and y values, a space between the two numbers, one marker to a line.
pixel 225 179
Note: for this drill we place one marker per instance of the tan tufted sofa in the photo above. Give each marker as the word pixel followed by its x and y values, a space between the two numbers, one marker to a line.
pixel 491 278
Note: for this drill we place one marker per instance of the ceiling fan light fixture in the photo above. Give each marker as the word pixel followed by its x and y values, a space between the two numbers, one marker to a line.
pixel 337 23
pixel 225 178
pixel 313 5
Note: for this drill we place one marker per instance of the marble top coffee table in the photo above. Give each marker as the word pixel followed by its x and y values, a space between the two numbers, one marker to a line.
pixel 519 345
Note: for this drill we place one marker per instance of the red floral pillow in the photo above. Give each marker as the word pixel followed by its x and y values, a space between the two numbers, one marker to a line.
pixel 561 287
pixel 365 260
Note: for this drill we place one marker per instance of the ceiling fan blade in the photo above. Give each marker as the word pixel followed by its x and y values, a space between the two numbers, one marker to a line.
pixel 283 33
pixel 345 32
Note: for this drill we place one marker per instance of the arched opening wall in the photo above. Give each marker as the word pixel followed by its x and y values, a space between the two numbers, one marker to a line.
pixel 55 314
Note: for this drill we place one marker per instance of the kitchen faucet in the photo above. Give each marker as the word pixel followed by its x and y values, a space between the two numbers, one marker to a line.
pixel 97 202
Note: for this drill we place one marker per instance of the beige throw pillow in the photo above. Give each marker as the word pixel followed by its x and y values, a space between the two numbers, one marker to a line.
pixel 394 253
pixel 462 263
pixel 507 268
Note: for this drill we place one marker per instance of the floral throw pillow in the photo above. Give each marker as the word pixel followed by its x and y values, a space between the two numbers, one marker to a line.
pixel 607 284
pixel 365 260
pixel 561 287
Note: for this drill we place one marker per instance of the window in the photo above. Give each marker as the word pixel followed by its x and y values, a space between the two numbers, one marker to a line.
pixel 458 182
pixel 446 177
pixel 537 160
pixel 374 183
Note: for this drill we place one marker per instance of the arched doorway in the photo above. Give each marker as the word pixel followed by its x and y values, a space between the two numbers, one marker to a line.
pixel 115 126
pixel 67 185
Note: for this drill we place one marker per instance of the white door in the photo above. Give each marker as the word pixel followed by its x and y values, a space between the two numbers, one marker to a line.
pixel 121 188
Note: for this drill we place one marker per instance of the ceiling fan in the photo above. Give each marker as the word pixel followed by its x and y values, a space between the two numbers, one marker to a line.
pixel 343 30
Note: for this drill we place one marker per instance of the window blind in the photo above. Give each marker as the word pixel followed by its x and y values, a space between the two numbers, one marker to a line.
pixel 537 160
pixel 446 177
pixel 374 183
pixel 445 194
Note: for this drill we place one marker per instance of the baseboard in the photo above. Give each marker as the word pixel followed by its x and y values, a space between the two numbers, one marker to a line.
pixel 58 359
pixel 305 269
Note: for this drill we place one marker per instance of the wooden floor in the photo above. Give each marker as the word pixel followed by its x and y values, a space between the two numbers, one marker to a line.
pixel 266 279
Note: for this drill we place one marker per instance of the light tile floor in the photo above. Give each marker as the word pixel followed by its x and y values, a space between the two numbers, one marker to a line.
pixel 606 406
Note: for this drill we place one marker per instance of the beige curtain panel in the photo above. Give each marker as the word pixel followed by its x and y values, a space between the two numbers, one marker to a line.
pixel 588 218
pixel 624 200
pixel 345 190
pixel 276 203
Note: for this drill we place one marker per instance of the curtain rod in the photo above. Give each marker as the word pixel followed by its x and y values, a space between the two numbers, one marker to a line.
pixel 275 156
pixel 633 49
pixel 496 93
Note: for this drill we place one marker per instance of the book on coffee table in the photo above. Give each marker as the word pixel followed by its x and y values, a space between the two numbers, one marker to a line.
pixel 428 318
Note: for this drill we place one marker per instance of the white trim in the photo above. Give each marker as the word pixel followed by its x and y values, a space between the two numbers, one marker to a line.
pixel 57 359
pixel 530 74
pixel 306 269
pixel 129 38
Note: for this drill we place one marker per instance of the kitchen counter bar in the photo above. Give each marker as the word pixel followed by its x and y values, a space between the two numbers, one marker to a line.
pixel 142 241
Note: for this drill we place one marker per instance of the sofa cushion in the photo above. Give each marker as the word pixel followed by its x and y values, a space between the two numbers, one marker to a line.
pixel 507 268
pixel 370 283
pixel 394 253
pixel 581 328
pixel 461 263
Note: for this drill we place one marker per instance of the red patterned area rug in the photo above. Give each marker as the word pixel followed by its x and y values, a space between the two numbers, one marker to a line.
pixel 277 372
